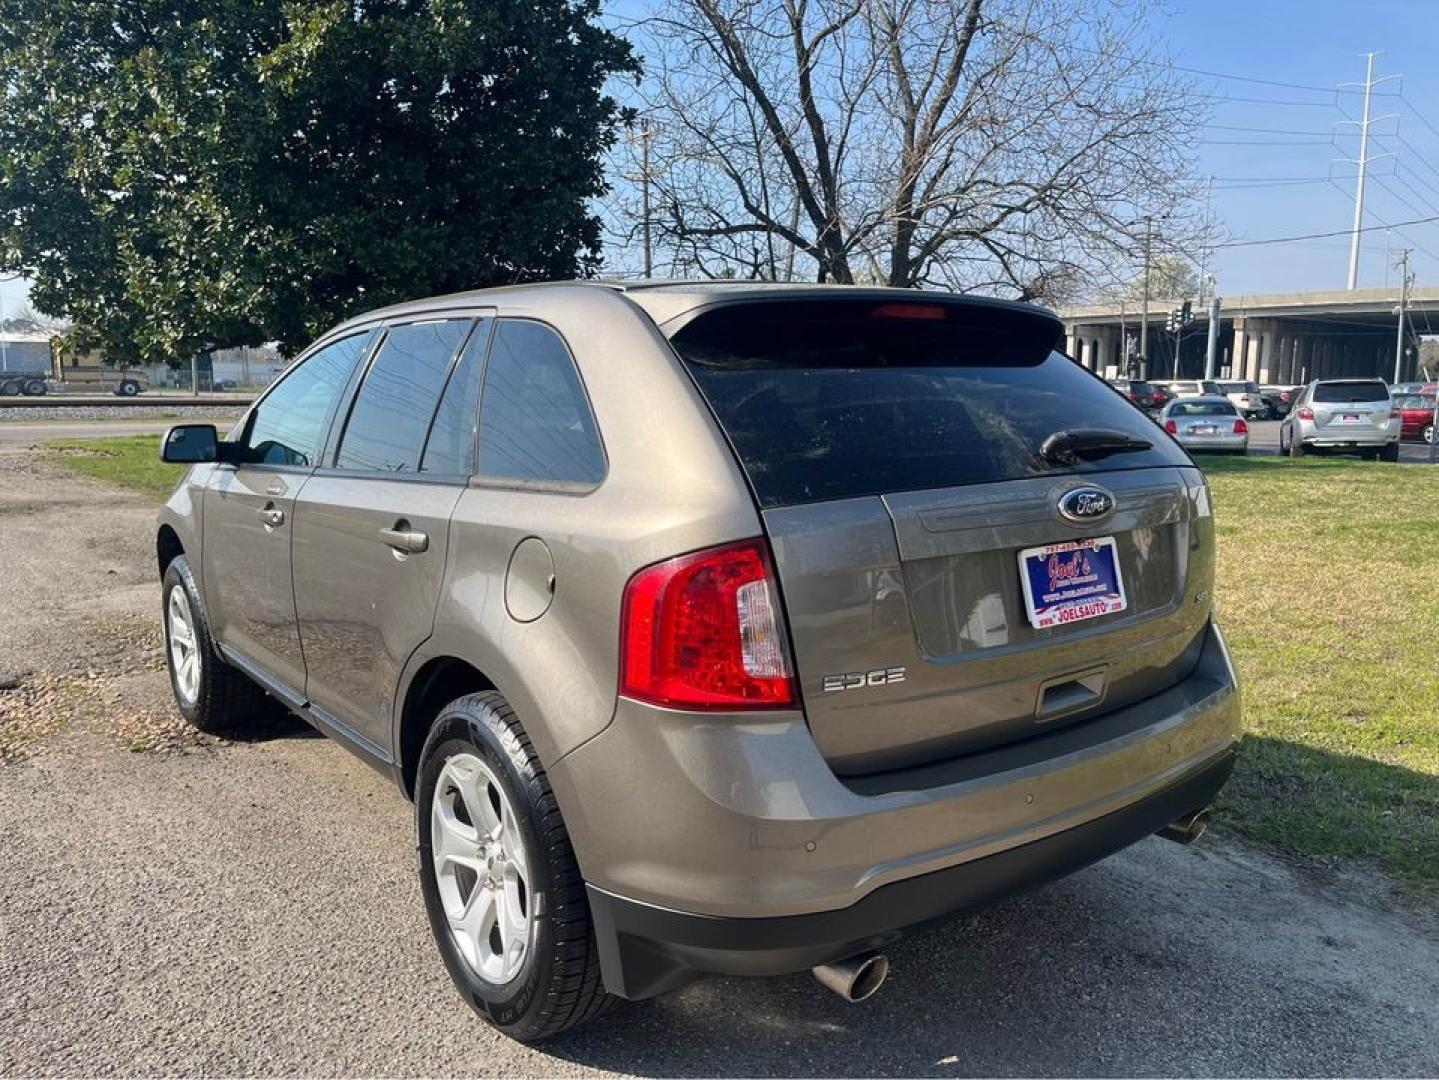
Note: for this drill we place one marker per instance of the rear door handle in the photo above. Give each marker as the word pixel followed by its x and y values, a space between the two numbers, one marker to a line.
pixel 405 540
pixel 272 516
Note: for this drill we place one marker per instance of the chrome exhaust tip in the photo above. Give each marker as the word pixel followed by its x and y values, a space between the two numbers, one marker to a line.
pixel 1187 829
pixel 855 977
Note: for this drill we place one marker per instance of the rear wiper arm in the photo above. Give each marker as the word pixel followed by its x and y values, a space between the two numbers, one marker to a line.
pixel 1066 447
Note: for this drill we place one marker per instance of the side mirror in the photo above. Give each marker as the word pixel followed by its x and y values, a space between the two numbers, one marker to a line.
pixel 190 444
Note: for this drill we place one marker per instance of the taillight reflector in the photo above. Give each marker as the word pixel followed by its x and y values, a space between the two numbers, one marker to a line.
pixel 1240 427
pixel 1171 427
pixel 1306 413
pixel 703 631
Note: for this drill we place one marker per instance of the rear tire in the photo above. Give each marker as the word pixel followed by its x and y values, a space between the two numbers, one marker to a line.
pixel 213 696
pixel 477 754
pixel 35 388
pixel 1389 453
pixel 128 388
pixel 9 388
pixel 1296 448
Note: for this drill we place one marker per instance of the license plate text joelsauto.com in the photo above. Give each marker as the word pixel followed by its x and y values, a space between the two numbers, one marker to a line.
pixel 1072 581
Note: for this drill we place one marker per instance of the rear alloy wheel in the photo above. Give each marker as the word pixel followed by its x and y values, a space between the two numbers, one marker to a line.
pixel 502 889
pixel 35 388
pixel 129 388
pixel 1428 435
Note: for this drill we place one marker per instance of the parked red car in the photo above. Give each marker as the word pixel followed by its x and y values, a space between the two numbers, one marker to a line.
pixel 1416 416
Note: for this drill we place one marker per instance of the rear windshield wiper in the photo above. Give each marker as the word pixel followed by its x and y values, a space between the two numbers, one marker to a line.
pixel 1067 447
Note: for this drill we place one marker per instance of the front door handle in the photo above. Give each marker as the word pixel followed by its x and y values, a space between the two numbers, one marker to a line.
pixel 404 539
pixel 273 517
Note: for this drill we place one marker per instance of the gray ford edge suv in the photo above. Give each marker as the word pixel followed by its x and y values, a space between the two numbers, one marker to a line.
pixel 710 628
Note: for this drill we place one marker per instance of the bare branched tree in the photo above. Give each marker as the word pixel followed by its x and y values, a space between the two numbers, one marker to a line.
pixel 1012 146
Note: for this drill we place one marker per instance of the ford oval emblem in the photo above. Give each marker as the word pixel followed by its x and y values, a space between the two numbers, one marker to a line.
pixel 1085 504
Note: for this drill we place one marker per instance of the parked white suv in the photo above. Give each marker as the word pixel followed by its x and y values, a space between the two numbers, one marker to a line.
pixel 1246 398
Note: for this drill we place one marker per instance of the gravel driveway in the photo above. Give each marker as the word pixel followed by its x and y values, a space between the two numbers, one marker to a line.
pixel 181 905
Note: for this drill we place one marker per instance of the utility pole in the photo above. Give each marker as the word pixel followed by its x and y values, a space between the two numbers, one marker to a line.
pixel 1363 161
pixel 645 133
pixel 1405 281
pixel 1211 352
pixel 1144 321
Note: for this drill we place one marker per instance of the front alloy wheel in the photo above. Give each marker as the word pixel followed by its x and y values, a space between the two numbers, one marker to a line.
pixel 481 867
pixel 185 659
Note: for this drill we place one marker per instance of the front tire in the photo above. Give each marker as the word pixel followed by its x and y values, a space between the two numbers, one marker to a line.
pixel 210 694
pixel 502 889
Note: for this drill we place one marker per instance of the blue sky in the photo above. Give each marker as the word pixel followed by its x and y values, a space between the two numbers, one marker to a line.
pixel 1286 133
pixel 1315 43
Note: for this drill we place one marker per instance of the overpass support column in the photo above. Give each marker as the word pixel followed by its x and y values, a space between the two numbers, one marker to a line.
pixel 1071 341
pixel 1237 350
pixel 1262 355
pixel 1299 370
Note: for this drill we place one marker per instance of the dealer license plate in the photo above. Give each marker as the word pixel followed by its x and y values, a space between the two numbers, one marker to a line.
pixel 1071 582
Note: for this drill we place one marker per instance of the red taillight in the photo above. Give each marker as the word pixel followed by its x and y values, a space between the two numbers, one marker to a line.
pixel 1306 413
pixel 1395 414
pixel 702 631
pixel 1171 427
pixel 1240 427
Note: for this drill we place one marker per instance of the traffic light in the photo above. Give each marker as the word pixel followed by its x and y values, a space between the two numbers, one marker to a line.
pixel 1186 313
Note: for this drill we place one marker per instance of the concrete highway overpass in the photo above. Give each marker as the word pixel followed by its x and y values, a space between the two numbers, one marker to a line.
pixel 1268 337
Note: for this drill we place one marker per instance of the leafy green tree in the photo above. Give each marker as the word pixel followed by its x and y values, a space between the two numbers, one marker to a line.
pixel 176 174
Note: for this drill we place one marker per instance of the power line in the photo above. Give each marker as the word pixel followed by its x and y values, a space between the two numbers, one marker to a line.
pixel 1321 235
pixel 1420 116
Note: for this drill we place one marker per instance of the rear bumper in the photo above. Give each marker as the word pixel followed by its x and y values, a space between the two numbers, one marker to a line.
pixel 647 950
pixel 1201 443
pixel 690 829
pixel 1337 438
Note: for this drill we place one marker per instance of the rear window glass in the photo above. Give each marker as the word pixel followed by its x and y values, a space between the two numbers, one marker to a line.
pixel 837 399
pixel 1140 388
pixel 1201 408
pixel 1416 401
pixel 1350 391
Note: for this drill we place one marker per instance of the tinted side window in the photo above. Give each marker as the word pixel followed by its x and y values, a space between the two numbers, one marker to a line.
pixel 450 450
pixel 392 410
pixel 535 421
pixel 288 426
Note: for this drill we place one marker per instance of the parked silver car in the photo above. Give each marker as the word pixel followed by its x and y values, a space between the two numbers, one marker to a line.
pixel 1345 415
pixel 712 628
pixel 1206 424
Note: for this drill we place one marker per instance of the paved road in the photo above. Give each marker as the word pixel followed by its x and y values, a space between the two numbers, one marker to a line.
pixel 26 434
pixel 1264 439
pixel 251 907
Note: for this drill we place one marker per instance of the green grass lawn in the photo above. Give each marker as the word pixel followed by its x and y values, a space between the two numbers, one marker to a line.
pixel 131 461
pixel 1328 592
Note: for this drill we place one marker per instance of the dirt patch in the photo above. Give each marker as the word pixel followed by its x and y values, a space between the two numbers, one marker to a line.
pixel 32 709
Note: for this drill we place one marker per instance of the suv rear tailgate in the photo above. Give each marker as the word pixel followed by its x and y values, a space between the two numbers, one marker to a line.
pixel 898 468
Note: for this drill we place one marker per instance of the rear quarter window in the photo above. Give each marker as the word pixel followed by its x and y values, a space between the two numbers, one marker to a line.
pixel 836 399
